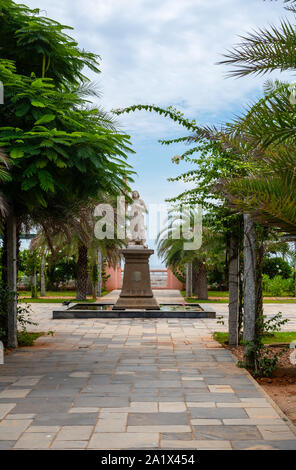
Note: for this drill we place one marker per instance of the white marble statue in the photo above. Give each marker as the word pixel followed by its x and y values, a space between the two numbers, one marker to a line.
pixel 137 229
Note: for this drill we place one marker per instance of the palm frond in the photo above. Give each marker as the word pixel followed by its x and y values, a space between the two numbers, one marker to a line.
pixel 263 51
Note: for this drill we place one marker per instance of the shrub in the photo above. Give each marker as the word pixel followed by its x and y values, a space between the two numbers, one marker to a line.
pixel 261 360
pixel 277 267
pixel 23 313
pixel 27 339
pixel 5 296
pixel 277 286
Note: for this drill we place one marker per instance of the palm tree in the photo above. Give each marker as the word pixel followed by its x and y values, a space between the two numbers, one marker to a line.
pixel 73 234
pixel 171 243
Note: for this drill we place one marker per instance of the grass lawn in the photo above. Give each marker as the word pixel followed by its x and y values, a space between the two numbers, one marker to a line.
pixel 26 338
pixel 224 298
pixel 52 300
pixel 55 297
pixel 62 293
pixel 278 337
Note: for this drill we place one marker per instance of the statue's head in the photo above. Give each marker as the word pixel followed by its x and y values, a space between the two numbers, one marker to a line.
pixel 135 195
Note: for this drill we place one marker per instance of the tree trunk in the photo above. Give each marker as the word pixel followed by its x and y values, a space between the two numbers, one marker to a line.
pixel 34 284
pixel 12 280
pixel 90 287
pixel 233 276
pixel 227 260
pixel 42 276
pixel 82 273
pixel 295 270
pixel 4 255
pixel 200 283
pixel 100 266
pixel 259 272
pixel 250 298
pixel 188 279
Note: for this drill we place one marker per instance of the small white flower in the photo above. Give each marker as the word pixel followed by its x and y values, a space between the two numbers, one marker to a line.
pixel 176 159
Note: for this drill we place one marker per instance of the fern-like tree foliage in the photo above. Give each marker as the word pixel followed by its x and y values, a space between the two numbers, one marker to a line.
pixel 63 150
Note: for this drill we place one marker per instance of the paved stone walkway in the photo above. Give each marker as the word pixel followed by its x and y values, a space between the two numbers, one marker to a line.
pixel 133 384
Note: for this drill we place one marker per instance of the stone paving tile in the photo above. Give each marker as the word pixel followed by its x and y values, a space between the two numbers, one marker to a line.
pixel 79 374
pixel 134 383
pixel 34 441
pixel 211 397
pixel 252 421
pixel 175 436
pixel 205 422
pixel 143 407
pixel 27 381
pixel 131 440
pixel 205 404
pixel 227 380
pixel 221 389
pixel 277 432
pixel 111 422
pixel 44 429
pixel 69 445
pixel 101 402
pixel 264 445
pixel 227 432
pixel 218 413
pixel 248 393
pixel 66 419
pixel 196 445
pixel 142 419
pixel 84 410
pixel 5 408
pixel 261 412
pixel 7 379
pixel 74 433
pixel 9 393
pixel 20 416
pixel 43 405
pixel 6 445
pixel 12 429
pixel 172 407
pixel 158 428
pixel 245 405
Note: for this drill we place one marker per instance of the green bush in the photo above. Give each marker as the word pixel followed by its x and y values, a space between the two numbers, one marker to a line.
pixel 5 296
pixel 261 360
pixel 277 286
pixel 277 267
pixel 23 313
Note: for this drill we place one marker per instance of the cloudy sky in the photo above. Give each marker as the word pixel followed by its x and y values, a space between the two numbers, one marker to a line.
pixel 164 52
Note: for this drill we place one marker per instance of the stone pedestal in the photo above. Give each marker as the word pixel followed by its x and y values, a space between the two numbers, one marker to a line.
pixel 136 292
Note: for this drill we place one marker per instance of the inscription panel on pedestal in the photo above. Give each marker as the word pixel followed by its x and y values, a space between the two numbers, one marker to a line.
pixel 136 276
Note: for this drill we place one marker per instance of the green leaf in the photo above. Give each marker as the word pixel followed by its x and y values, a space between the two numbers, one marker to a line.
pixel 46 118
pixel 46 143
pixel 22 109
pixel 46 180
pixel 60 164
pixel 38 104
pixel 41 163
pixel 16 153
pixel 28 184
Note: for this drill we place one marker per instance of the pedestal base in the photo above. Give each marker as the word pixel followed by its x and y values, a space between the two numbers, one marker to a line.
pixel 136 290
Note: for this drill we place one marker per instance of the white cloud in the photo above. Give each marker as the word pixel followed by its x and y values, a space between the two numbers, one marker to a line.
pixel 164 51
